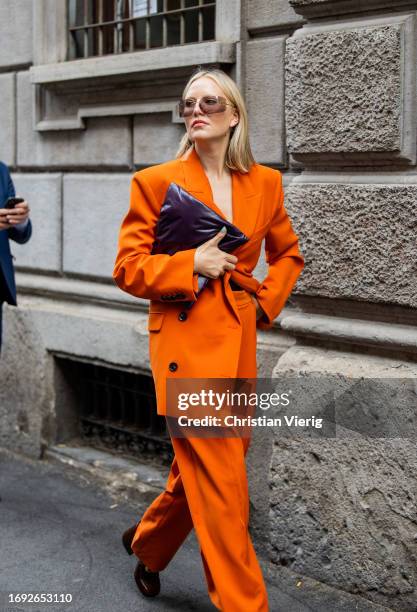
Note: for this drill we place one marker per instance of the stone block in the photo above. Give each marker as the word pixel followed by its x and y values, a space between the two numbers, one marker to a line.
pixel 358 241
pixel 265 14
pixel 155 138
pixel 7 118
pixel 94 206
pixel 342 509
pixel 43 194
pixel 37 330
pixel 350 92
pixel 25 396
pixel 16 21
pixel 265 99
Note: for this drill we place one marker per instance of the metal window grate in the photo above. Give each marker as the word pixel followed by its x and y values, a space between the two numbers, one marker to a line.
pixel 117 410
pixel 102 27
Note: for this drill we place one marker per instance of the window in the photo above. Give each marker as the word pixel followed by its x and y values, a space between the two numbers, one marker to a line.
pixel 103 27
pixel 112 409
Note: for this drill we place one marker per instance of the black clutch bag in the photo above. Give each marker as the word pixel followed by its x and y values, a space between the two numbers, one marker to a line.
pixel 185 222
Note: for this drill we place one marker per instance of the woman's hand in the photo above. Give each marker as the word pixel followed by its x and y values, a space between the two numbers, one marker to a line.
pixel 212 262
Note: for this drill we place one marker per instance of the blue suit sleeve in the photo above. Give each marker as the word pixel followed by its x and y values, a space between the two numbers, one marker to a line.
pixel 20 233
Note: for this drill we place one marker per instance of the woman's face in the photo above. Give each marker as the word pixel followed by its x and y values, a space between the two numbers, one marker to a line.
pixel 213 125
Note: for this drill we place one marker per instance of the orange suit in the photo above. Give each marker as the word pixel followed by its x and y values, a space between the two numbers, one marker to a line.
pixel 216 338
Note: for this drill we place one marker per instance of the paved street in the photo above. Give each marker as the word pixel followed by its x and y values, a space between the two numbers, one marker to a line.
pixel 60 533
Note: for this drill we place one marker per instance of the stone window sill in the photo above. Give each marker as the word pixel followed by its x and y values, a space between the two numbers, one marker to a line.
pixel 180 56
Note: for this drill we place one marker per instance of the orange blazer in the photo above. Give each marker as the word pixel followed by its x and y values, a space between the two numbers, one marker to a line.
pixel 205 342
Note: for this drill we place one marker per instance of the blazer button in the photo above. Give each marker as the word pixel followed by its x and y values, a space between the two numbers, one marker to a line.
pixel 182 316
pixel 173 366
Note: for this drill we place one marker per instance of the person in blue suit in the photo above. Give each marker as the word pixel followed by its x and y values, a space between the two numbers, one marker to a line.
pixel 15 225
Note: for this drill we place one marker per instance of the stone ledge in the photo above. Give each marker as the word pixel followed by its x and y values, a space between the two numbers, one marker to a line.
pixel 393 337
pixel 121 477
pixel 133 63
pixel 88 292
pixel 75 290
pixel 326 8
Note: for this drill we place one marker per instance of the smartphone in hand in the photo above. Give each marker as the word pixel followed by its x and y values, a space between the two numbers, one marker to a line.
pixel 11 202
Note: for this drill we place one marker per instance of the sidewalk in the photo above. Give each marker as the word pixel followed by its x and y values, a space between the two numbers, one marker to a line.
pixel 60 533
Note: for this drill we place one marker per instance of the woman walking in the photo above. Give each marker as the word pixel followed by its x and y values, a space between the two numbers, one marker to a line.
pixel 207 485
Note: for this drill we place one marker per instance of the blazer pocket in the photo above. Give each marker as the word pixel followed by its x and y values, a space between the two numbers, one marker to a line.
pixel 155 321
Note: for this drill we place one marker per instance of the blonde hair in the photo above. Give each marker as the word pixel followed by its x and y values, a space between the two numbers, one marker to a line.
pixel 238 155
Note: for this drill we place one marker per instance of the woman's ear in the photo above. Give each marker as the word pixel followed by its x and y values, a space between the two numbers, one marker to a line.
pixel 236 118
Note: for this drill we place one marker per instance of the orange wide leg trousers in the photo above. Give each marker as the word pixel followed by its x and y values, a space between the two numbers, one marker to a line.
pixel 207 489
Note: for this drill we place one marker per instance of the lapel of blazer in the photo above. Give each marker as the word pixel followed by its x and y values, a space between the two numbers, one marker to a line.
pixel 247 195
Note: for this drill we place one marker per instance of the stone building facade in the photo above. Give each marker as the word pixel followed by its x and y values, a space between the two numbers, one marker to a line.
pixel 330 87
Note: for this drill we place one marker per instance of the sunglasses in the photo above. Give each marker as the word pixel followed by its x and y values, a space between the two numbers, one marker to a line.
pixel 208 105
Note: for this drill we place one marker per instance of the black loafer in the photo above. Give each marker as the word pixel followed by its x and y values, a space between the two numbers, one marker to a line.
pixel 148 582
